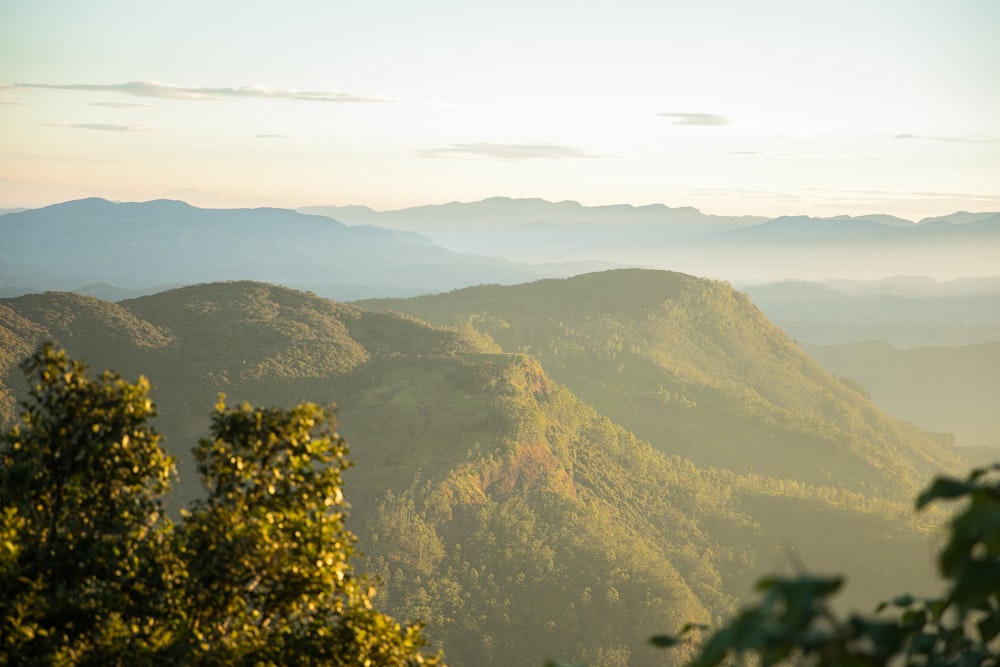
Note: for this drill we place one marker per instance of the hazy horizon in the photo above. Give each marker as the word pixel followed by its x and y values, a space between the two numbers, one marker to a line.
pixel 442 203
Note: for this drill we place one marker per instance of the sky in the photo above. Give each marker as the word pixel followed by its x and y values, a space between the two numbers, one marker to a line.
pixel 774 107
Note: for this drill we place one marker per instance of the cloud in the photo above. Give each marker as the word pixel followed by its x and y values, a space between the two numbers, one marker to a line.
pixel 120 105
pixel 703 119
pixel 956 140
pixel 5 96
pixel 158 89
pixel 274 136
pixel 540 151
pixel 105 127
pixel 808 156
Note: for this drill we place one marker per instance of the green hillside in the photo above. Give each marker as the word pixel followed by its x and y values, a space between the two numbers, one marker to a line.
pixel 695 368
pixel 514 513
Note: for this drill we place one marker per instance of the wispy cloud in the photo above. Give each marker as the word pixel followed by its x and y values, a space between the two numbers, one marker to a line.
pixel 6 93
pixel 105 127
pixel 703 119
pixel 158 89
pixel 538 151
pixel 808 156
pixel 275 136
pixel 120 105
pixel 956 140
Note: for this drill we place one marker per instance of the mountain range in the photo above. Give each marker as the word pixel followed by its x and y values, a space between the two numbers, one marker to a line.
pixel 556 469
pixel 118 250
pixel 146 246
pixel 735 248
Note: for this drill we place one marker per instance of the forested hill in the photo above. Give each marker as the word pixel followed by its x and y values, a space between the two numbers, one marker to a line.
pixel 695 368
pixel 521 517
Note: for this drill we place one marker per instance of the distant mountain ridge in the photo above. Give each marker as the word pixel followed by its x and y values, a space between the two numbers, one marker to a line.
pixel 507 212
pixel 510 212
pixel 166 242
pixel 687 240
pixel 142 247
pixel 961 217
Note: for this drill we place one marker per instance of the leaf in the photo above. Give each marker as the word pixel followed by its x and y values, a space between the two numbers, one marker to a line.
pixel 664 641
pixel 989 626
pixel 904 600
pixel 944 488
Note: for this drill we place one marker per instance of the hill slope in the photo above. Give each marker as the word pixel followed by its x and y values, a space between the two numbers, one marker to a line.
pixel 696 369
pixel 515 518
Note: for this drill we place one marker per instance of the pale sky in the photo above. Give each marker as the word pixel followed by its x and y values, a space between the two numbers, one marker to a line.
pixel 771 107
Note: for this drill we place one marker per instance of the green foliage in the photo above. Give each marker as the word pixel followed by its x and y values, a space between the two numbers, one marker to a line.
pixel 559 535
pixel 794 622
pixel 693 367
pixel 80 488
pixel 257 573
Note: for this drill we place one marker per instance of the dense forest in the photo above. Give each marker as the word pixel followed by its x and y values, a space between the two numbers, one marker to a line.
pixel 553 470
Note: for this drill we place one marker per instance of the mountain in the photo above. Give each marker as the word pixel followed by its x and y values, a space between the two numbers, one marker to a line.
pixel 505 213
pixel 509 510
pixel 152 246
pixel 880 218
pixel 536 230
pixel 142 245
pixel 684 239
pixel 804 229
pixel 696 369
pixel 960 218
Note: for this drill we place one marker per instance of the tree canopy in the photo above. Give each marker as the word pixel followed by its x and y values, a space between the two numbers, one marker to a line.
pixel 257 572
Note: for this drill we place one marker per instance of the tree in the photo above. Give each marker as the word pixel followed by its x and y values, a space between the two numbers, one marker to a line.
pixel 267 553
pixel 258 572
pixel 793 622
pixel 80 491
